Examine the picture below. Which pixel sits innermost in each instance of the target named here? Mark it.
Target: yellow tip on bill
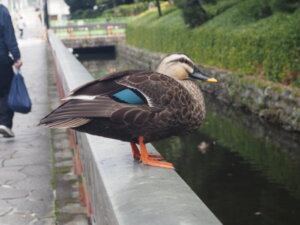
(212, 80)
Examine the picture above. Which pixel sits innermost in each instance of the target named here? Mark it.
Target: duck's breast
(183, 112)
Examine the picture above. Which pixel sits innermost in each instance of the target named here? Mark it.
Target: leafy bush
(284, 5)
(268, 46)
(77, 14)
(88, 13)
(127, 10)
(119, 11)
(80, 4)
(254, 10)
(222, 6)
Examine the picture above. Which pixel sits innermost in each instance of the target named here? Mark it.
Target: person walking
(21, 26)
(8, 46)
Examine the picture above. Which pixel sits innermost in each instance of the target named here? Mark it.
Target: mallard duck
(137, 106)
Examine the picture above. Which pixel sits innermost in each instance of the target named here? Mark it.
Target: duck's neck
(193, 88)
(198, 100)
(195, 91)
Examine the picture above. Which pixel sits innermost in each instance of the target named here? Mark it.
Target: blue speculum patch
(129, 96)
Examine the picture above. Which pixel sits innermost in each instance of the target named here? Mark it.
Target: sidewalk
(26, 195)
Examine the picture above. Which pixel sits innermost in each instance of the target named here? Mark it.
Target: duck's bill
(201, 76)
(212, 80)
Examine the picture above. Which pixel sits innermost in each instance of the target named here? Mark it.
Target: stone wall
(272, 102)
(138, 58)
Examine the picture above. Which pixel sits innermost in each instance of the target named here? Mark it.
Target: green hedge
(249, 43)
(127, 10)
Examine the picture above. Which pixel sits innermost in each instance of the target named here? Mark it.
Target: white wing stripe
(80, 97)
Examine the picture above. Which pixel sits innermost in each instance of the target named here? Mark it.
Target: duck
(137, 106)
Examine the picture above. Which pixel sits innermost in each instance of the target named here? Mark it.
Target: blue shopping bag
(18, 97)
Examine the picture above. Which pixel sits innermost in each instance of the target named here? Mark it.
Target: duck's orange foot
(152, 162)
(153, 156)
(148, 158)
(136, 153)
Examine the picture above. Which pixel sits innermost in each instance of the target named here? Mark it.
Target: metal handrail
(90, 30)
(90, 26)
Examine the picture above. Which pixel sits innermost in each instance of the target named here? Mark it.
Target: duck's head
(181, 67)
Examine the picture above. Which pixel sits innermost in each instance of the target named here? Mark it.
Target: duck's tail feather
(65, 123)
(77, 112)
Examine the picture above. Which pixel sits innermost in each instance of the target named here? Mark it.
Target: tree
(80, 4)
(193, 13)
(158, 8)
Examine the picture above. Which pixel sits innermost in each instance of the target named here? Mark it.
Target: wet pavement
(26, 194)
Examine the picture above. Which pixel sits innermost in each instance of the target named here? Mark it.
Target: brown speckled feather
(103, 86)
(173, 107)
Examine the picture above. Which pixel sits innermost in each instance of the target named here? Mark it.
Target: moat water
(246, 171)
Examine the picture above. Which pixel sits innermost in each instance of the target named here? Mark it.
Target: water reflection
(237, 176)
(245, 171)
(100, 64)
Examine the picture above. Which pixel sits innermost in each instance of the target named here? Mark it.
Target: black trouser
(6, 75)
(21, 33)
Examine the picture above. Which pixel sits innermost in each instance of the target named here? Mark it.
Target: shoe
(6, 132)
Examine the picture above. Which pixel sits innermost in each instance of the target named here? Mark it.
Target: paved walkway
(26, 195)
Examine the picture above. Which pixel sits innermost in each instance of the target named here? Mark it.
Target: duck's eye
(182, 60)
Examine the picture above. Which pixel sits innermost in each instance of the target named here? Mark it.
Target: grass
(239, 38)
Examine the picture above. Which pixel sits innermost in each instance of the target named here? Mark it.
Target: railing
(89, 30)
(116, 189)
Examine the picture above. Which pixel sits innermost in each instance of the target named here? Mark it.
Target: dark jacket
(8, 42)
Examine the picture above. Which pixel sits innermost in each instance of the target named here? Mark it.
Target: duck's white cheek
(189, 69)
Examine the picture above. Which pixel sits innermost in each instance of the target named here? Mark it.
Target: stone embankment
(272, 102)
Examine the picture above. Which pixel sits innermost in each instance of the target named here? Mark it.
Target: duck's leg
(136, 153)
(147, 158)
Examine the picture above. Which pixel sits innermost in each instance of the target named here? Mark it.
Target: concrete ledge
(122, 190)
(99, 41)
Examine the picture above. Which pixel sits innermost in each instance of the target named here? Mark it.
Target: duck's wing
(158, 89)
(131, 98)
(154, 89)
(77, 112)
(105, 85)
(90, 101)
